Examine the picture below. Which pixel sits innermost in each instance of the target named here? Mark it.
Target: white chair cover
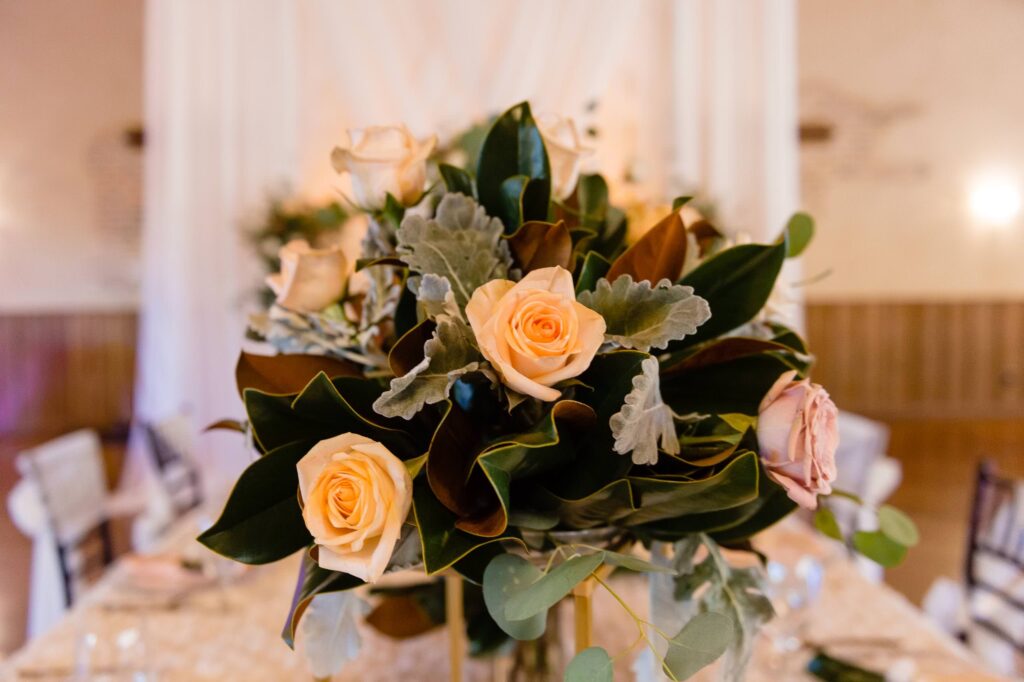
(862, 442)
(61, 495)
(1007, 532)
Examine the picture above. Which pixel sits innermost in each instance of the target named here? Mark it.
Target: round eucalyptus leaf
(590, 665)
(897, 526)
(699, 643)
(506, 576)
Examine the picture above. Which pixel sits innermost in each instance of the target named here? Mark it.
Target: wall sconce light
(995, 199)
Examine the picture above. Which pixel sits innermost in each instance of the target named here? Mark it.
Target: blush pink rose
(798, 437)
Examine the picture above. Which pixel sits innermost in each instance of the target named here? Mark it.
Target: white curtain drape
(247, 96)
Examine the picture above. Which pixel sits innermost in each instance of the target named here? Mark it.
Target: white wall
(70, 189)
(922, 95)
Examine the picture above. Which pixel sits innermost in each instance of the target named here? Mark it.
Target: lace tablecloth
(230, 631)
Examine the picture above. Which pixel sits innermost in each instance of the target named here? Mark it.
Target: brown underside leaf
(457, 484)
(724, 350)
(408, 350)
(400, 617)
(226, 425)
(282, 374)
(706, 234)
(658, 255)
(538, 245)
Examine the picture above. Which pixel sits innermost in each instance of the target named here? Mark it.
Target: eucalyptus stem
(641, 625)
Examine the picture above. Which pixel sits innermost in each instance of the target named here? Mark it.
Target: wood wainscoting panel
(948, 378)
(59, 372)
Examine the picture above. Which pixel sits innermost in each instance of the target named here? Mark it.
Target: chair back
(171, 443)
(995, 570)
(68, 474)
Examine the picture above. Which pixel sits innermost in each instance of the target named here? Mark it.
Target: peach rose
(383, 160)
(310, 279)
(565, 152)
(798, 437)
(355, 497)
(534, 332)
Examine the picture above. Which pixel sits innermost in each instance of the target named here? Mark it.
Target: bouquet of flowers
(501, 388)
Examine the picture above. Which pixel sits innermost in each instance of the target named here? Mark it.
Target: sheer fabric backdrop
(246, 97)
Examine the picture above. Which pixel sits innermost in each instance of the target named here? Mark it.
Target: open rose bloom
(355, 496)
(798, 435)
(534, 332)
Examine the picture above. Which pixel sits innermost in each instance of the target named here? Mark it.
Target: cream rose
(383, 160)
(534, 332)
(565, 152)
(310, 279)
(355, 497)
(798, 436)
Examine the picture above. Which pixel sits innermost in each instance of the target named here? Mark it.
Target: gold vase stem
(456, 621)
(583, 598)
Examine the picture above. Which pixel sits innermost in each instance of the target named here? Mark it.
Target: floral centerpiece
(501, 388)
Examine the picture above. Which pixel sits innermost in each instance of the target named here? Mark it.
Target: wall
(920, 96)
(70, 186)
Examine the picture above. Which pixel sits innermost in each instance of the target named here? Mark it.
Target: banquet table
(231, 630)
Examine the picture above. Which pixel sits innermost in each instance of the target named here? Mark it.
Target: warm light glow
(995, 200)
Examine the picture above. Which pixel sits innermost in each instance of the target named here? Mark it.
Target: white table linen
(232, 633)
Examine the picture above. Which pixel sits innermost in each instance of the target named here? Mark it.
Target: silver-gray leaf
(461, 243)
(642, 316)
(644, 420)
(448, 354)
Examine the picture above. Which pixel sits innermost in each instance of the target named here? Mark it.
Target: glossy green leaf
(736, 284)
(701, 641)
(876, 546)
(590, 665)
(897, 526)
(595, 266)
(540, 595)
(456, 179)
(735, 386)
(524, 200)
(261, 521)
(513, 146)
(443, 544)
(772, 505)
(659, 498)
(506, 577)
(825, 522)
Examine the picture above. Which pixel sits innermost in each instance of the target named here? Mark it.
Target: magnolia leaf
(456, 179)
(328, 632)
(513, 146)
(538, 245)
(701, 641)
(897, 526)
(658, 255)
(644, 419)
(461, 244)
(506, 576)
(590, 665)
(400, 617)
(435, 297)
(543, 593)
(287, 373)
(449, 354)
(640, 316)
